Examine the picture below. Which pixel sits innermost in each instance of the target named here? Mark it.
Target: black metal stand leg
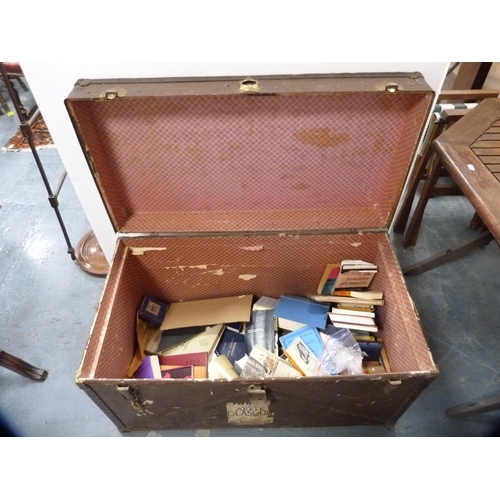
(28, 134)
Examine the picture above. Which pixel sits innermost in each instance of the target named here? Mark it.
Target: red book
(193, 359)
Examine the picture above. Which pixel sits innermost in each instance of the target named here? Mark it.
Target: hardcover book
(351, 318)
(150, 368)
(346, 301)
(371, 350)
(356, 307)
(181, 372)
(232, 345)
(203, 342)
(153, 310)
(359, 265)
(194, 359)
(302, 310)
(199, 372)
(289, 325)
(365, 294)
(356, 326)
(172, 338)
(351, 312)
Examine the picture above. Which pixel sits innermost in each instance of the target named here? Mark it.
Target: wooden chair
(20, 367)
(14, 72)
(5, 106)
(429, 168)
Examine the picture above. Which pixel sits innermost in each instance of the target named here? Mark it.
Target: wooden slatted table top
(487, 149)
(470, 150)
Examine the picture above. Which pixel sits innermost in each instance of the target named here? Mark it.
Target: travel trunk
(229, 186)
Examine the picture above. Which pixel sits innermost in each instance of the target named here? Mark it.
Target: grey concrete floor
(47, 305)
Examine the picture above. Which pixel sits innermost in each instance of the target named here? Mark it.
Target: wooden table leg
(440, 258)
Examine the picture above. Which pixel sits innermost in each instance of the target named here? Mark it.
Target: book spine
(356, 327)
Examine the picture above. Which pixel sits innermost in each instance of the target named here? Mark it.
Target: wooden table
(470, 151)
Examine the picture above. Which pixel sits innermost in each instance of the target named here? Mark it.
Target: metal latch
(258, 396)
(249, 86)
(389, 87)
(113, 93)
(132, 394)
(392, 385)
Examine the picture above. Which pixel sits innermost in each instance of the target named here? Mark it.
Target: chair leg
(404, 212)
(411, 234)
(481, 406)
(3, 103)
(21, 83)
(20, 367)
(418, 175)
(436, 260)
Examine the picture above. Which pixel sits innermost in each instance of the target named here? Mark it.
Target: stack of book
(226, 338)
(345, 286)
(209, 338)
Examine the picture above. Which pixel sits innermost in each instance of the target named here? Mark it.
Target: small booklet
(262, 363)
(304, 359)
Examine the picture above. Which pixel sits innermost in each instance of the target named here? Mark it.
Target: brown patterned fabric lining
(193, 268)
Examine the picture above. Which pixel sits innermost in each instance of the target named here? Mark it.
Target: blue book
(302, 310)
(309, 335)
(372, 350)
(153, 310)
(232, 344)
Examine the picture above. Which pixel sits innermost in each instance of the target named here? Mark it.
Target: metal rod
(60, 183)
(28, 134)
(34, 117)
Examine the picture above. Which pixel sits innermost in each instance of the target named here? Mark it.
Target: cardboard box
(250, 186)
